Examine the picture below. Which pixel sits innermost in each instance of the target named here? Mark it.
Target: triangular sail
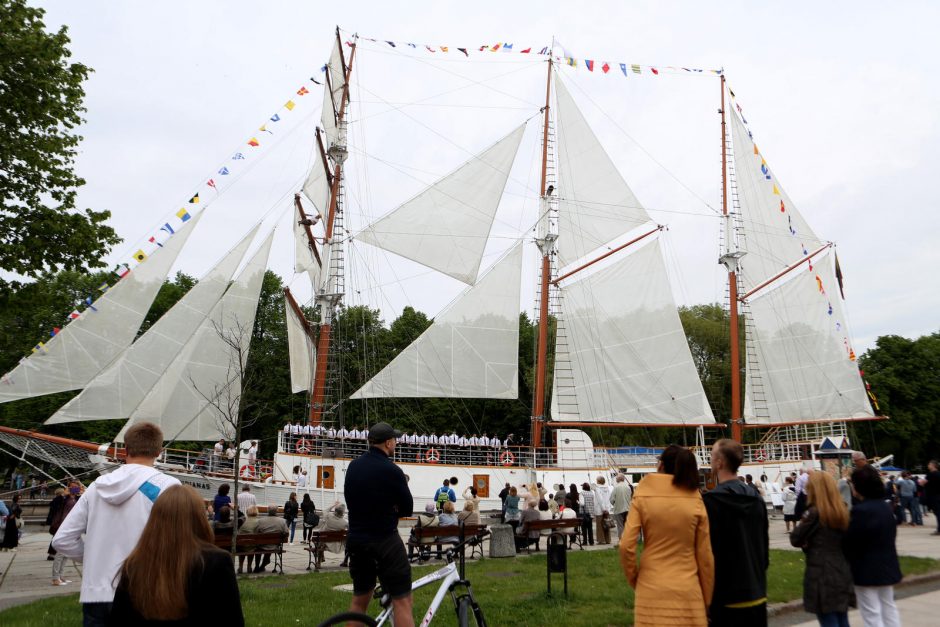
(209, 364)
(82, 348)
(333, 95)
(775, 233)
(117, 391)
(595, 204)
(301, 350)
(446, 226)
(469, 351)
(803, 367)
(629, 359)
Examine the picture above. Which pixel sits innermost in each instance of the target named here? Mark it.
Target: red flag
(783, 207)
(589, 64)
(302, 91)
(526, 51)
(654, 70)
(211, 183)
(605, 67)
(253, 142)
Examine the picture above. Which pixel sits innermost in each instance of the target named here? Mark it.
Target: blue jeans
(833, 619)
(95, 614)
(917, 514)
(292, 525)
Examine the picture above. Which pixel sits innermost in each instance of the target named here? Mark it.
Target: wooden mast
(545, 247)
(327, 302)
(730, 260)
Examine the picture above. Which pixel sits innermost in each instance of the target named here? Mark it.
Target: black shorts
(385, 559)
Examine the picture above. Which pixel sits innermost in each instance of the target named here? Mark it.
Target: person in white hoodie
(111, 515)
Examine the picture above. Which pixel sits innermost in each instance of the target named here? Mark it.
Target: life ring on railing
(432, 456)
(303, 446)
(246, 471)
(760, 455)
(506, 458)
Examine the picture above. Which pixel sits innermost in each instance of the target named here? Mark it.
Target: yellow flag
(776, 191)
(756, 152)
(289, 105)
(140, 255)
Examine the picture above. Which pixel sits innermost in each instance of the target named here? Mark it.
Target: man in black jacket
(737, 517)
(377, 495)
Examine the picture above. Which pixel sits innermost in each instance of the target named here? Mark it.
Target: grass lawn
(511, 591)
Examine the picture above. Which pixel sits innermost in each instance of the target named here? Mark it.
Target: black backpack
(311, 518)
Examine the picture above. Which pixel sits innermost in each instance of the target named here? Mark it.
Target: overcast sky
(842, 97)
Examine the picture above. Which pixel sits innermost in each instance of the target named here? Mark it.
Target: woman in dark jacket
(310, 518)
(291, 507)
(196, 587)
(827, 581)
(870, 548)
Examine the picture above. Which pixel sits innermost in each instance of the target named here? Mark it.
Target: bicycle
(451, 579)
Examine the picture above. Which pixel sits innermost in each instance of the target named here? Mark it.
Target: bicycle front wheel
(349, 617)
(469, 613)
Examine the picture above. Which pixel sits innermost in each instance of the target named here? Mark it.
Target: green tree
(41, 98)
(904, 375)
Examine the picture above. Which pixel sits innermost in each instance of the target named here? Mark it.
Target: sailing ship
(621, 357)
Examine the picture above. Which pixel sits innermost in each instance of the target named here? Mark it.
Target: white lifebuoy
(303, 446)
(506, 458)
(432, 456)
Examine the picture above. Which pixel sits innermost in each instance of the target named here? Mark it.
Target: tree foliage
(904, 374)
(41, 98)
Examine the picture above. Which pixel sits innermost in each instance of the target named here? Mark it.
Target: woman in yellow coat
(675, 578)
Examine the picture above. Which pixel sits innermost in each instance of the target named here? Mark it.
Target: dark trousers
(95, 614)
(833, 619)
(738, 617)
(587, 529)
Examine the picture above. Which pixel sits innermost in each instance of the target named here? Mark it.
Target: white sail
(802, 366)
(87, 344)
(630, 361)
(302, 351)
(471, 350)
(775, 233)
(595, 204)
(317, 186)
(117, 391)
(446, 226)
(209, 364)
(304, 259)
(333, 98)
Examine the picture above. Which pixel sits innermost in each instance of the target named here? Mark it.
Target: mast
(545, 243)
(729, 259)
(331, 297)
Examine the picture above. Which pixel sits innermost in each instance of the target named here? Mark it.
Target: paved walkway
(914, 541)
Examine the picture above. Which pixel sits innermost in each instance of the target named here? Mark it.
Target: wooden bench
(251, 543)
(556, 525)
(318, 542)
(435, 532)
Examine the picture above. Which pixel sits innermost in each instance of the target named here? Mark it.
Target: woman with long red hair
(175, 576)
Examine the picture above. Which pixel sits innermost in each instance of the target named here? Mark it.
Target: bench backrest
(447, 530)
(225, 541)
(336, 535)
(560, 523)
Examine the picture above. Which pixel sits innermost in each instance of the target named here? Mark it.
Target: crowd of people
(423, 447)
(704, 560)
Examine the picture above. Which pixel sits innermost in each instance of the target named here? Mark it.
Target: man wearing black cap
(377, 496)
